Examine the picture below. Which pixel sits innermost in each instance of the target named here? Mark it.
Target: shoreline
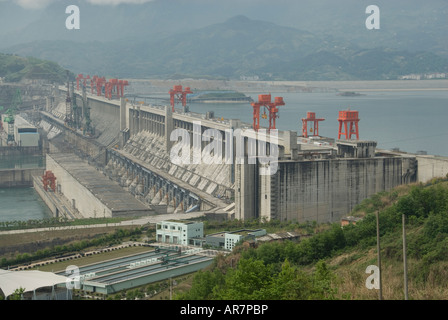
(158, 85)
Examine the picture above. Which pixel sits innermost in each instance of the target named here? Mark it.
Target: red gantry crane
(177, 94)
(121, 85)
(49, 180)
(345, 118)
(264, 100)
(311, 116)
(78, 78)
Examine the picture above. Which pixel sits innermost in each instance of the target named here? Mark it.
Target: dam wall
(430, 167)
(19, 177)
(327, 190)
(322, 184)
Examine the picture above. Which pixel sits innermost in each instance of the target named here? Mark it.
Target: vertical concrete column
(291, 146)
(152, 128)
(84, 100)
(122, 114)
(48, 104)
(246, 188)
(168, 127)
(132, 121)
(138, 119)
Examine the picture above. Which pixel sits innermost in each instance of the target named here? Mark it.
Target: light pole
(405, 258)
(379, 255)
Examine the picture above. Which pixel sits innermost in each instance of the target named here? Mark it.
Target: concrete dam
(132, 146)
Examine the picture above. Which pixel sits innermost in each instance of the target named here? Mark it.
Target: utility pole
(378, 252)
(405, 259)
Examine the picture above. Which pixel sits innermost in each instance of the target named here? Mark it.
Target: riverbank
(161, 86)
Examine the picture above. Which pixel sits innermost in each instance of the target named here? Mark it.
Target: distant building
(25, 134)
(280, 236)
(180, 232)
(411, 77)
(228, 240)
(37, 285)
(249, 78)
(349, 220)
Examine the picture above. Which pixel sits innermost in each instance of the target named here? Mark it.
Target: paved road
(137, 222)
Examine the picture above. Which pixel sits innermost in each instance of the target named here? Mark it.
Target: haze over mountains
(285, 39)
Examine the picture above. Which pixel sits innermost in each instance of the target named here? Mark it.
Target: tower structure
(264, 100)
(348, 124)
(311, 117)
(177, 94)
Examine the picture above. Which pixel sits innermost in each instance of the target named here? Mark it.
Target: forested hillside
(332, 264)
(15, 68)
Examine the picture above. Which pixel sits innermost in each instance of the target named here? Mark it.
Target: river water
(21, 204)
(409, 120)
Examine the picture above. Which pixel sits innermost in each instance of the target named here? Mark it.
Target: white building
(25, 134)
(180, 232)
(228, 240)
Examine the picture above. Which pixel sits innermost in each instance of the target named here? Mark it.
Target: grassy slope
(426, 279)
(349, 251)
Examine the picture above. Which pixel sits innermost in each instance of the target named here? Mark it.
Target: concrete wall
(19, 151)
(430, 167)
(46, 197)
(86, 203)
(19, 177)
(27, 139)
(327, 190)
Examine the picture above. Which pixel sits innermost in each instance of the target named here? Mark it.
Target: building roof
(29, 280)
(109, 192)
(179, 221)
(22, 123)
(279, 236)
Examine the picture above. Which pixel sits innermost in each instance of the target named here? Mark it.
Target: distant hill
(14, 68)
(234, 48)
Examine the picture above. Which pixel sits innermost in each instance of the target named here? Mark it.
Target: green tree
(247, 282)
(17, 294)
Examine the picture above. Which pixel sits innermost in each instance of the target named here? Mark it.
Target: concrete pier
(91, 193)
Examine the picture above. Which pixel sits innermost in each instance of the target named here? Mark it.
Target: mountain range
(182, 38)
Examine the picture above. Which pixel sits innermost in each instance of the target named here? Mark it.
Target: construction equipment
(264, 100)
(311, 116)
(87, 127)
(76, 112)
(68, 104)
(348, 117)
(10, 121)
(177, 94)
(15, 104)
(49, 180)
